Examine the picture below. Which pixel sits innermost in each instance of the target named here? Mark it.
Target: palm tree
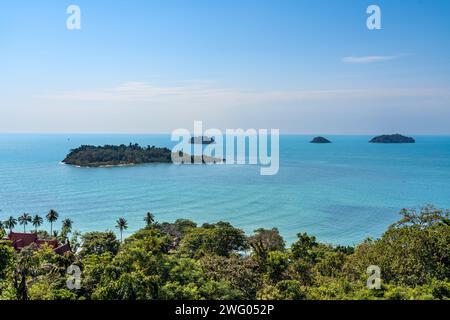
(66, 229)
(23, 220)
(149, 219)
(37, 222)
(52, 216)
(10, 223)
(121, 224)
(67, 225)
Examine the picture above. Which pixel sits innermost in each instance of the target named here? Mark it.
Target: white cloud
(210, 95)
(368, 59)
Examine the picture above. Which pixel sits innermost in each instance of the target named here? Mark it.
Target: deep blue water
(341, 192)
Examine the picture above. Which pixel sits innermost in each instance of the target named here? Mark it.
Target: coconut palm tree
(23, 220)
(149, 219)
(10, 223)
(37, 222)
(66, 229)
(121, 224)
(52, 216)
(67, 225)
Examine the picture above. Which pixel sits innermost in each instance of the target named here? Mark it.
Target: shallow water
(341, 192)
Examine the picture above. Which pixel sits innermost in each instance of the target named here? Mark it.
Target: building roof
(22, 240)
(62, 249)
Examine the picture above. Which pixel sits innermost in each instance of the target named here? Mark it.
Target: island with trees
(126, 155)
(202, 140)
(392, 138)
(320, 140)
(182, 260)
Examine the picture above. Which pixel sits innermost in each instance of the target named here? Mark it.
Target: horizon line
(169, 133)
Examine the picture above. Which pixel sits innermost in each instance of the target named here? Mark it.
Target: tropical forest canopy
(183, 260)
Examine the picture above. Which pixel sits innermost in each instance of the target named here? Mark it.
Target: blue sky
(302, 66)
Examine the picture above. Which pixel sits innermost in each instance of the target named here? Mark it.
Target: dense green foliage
(392, 138)
(110, 155)
(182, 260)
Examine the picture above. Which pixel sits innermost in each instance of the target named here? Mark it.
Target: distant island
(123, 155)
(392, 138)
(202, 140)
(320, 140)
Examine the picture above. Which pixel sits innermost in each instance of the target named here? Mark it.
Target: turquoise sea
(341, 192)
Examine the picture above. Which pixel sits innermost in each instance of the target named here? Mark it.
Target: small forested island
(124, 155)
(320, 140)
(392, 138)
(202, 140)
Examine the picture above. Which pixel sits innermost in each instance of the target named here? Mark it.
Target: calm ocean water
(341, 192)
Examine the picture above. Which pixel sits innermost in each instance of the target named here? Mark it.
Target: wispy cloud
(368, 59)
(208, 94)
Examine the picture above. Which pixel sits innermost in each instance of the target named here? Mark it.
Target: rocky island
(133, 154)
(320, 140)
(202, 140)
(392, 138)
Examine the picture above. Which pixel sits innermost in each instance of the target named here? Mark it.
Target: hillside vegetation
(182, 260)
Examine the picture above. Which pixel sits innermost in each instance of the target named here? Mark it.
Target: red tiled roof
(62, 249)
(22, 240)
